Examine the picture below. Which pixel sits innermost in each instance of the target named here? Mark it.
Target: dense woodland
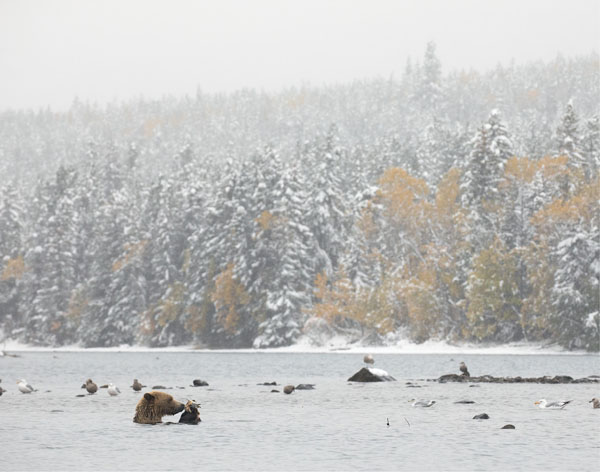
(461, 206)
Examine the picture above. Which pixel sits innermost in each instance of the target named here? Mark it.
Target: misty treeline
(460, 207)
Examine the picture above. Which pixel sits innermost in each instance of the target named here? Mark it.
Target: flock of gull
(89, 385)
(113, 390)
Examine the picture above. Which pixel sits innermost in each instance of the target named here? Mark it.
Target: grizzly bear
(191, 414)
(154, 405)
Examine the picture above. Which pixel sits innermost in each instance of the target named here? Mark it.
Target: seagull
(594, 401)
(368, 359)
(24, 387)
(137, 386)
(90, 386)
(421, 403)
(112, 390)
(552, 406)
(464, 370)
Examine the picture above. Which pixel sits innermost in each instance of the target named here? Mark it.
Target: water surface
(337, 426)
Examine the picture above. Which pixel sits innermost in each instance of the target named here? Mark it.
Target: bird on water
(90, 386)
(595, 403)
(137, 386)
(24, 387)
(422, 403)
(113, 391)
(553, 405)
(368, 360)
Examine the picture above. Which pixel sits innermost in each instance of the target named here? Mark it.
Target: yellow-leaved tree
(229, 298)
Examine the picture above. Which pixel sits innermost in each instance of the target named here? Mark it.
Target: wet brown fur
(154, 405)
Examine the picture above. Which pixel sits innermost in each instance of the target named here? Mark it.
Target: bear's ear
(149, 397)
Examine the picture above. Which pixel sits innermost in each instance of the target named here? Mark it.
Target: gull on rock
(368, 360)
(553, 405)
(422, 403)
(112, 390)
(464, 370)
(24, 387)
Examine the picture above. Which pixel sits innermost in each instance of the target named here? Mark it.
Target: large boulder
(371, 375)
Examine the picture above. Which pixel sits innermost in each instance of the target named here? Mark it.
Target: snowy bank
(335, 346)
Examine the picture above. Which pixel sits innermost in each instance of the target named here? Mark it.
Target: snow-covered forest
(460, 206)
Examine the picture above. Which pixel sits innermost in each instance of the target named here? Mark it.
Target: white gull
(553, 405)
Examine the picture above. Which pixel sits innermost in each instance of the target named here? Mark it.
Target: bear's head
(154, 405)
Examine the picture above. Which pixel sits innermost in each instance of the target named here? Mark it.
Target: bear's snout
(180, 407)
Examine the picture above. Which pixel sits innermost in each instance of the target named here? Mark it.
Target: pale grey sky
(100, 50)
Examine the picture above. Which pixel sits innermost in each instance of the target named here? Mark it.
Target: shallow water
(337, 426)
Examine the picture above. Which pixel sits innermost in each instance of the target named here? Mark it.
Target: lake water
(337, 426)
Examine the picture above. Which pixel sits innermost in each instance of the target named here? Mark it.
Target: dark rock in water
(158, 386)
(181, 388)
(305, 387)
(562, 379)
(474, 385)
(557, 379)
(371, 375)
(57, 411)
(413, 386)
(274, 391)
(288, 389)
(593, 376)
(80, 395)
(268, 383)
(101, 386)
(482, 416)
(452, 378)
(464, 402)
(508, 426)
(200, 383)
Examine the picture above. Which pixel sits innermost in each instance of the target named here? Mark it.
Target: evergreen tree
(575, 320)
(12, 265)
(287, 269)
(591, 147)
(567, 136)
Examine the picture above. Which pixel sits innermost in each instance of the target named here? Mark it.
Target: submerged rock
(371, 375)
(482, 416)
(508, 426)
(305, 387)
(200, 383)
(464, 402)
(268, 383)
